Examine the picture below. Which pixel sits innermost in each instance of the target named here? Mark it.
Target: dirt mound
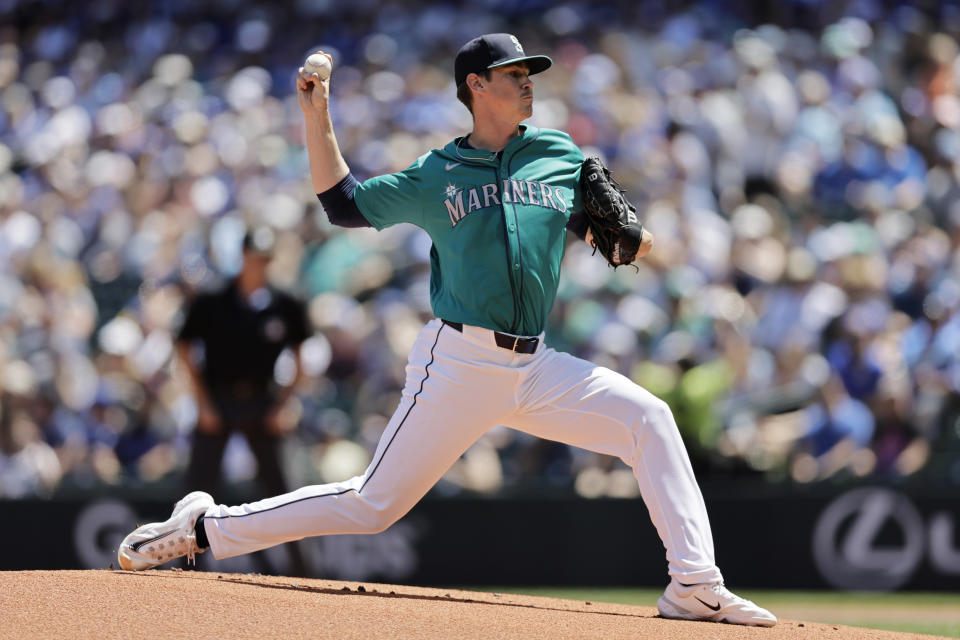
(190, 604)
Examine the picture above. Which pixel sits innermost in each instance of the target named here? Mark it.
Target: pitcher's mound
(187, 604)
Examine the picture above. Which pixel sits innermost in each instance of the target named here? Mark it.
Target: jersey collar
(468, 155)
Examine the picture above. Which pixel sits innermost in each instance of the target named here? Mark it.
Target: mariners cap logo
(517, 44)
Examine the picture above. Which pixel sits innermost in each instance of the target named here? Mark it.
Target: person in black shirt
(242, 330)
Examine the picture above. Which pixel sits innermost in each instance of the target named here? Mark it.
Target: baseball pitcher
(497, 205)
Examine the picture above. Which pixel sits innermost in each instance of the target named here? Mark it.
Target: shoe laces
(191, 543)
(721, 590)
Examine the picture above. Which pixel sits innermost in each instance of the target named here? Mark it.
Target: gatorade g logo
(98, 530)
(516, 43)
(875, 538)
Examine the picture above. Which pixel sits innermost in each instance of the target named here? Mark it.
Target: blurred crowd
(799, 171)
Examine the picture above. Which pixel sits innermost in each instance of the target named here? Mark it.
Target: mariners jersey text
(462, 202)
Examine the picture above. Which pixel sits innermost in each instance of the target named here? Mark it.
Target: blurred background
(798, 164)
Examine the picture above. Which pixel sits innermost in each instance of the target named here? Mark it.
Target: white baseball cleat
(153, 544)
(712, 602)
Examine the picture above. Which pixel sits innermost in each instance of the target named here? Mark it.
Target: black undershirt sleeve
(578, 224)
(340, 206)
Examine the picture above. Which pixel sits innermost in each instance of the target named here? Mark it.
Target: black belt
(514, 343)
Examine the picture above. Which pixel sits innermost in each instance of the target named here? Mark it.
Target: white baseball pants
(458, 386)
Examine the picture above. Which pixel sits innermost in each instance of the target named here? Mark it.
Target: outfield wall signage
(877, 538)
(862, 538)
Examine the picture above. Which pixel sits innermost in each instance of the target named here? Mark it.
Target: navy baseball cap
(494, 50)
(261, 240)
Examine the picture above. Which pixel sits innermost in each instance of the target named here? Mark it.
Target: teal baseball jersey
(497, 222)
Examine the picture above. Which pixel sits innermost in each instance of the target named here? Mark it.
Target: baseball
(319, 64)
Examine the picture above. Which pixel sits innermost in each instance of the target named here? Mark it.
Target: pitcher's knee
(656, 420)
(377, 520)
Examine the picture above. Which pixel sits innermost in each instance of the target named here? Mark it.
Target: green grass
(926, 613)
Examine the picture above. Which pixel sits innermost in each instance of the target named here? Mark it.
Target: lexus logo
(875, 538)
